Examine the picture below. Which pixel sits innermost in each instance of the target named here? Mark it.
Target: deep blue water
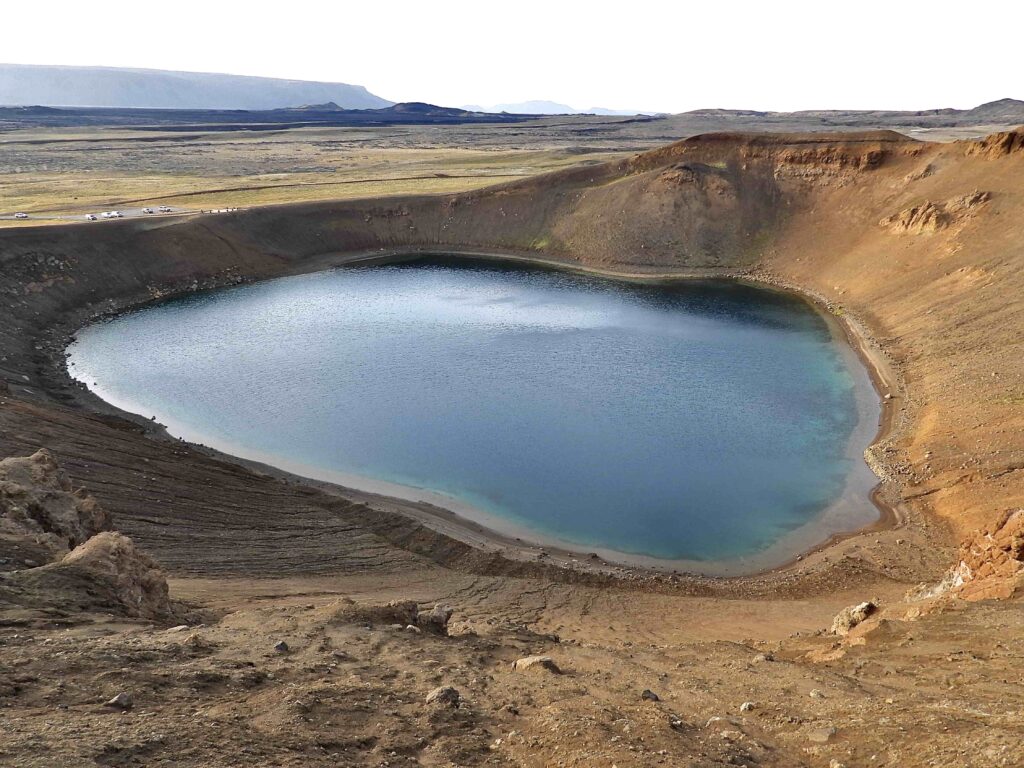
(699, 420)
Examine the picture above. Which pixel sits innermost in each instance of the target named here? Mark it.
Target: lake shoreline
(449, 517)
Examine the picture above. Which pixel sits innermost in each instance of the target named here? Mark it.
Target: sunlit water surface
(698, 421)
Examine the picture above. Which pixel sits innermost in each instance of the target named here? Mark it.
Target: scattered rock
(536, 662)
(122, 701)
(445, 696)
(850, 617)
(761, 658)
(281, 647)
(414, 629)
(649, 695)
(816, 694)
(747, 706)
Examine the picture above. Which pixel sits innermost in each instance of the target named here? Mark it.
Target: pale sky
(647, 55)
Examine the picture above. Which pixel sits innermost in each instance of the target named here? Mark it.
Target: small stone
(536, 662)
(281, 647)
(762, 658)
(122, 701)
(821, 735)
(816, 694)
(649, 695)
(747, 706)
(445, 696)
(413, 628)
(180, 628)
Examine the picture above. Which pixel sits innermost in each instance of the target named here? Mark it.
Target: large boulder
(41, 516)
(436, 619)
(107, 573)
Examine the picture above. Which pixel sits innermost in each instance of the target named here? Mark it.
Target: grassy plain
(54, 174)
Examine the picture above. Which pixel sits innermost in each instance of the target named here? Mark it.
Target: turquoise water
(695, 421)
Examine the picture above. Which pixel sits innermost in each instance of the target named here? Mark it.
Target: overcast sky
(647, 55)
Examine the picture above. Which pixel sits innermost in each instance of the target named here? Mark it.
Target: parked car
(147, 210)
(165, 209)
(90, 217)
(117, 214)
(21, 215)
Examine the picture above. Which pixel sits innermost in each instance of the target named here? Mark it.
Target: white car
(147, 210)
(90, 217)
(116, 215)
(21, 215)
(106, 215)
(165, 209)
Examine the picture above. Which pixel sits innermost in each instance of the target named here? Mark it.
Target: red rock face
(992, 564)
(998, 144)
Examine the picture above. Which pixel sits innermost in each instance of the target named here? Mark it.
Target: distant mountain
(1002, 111)
(60, 86)
(426, 110)
(550, 108)
(534, 108)
(402, 109)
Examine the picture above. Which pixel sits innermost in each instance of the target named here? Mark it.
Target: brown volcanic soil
(889, 233)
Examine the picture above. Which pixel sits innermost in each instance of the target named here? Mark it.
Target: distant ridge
(1001, 111)
(540, 107)
(62, 86)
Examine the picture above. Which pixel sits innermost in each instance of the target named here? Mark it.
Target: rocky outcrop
(998, 144)
(850, 617)
(435, 620)
(992, 564)
(58, 555)
(41, 517)
(405, 613)
(402, 612)
(929, 217)
(107, 573)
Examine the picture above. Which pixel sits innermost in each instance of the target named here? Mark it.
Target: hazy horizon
(789, 56)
